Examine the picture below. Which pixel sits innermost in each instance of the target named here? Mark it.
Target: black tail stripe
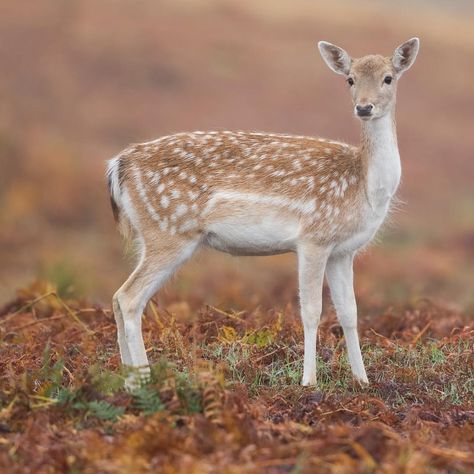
(115, 208)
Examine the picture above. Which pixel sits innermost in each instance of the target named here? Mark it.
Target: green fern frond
(147, 400)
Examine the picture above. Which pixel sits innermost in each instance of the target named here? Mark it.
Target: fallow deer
(248, 193)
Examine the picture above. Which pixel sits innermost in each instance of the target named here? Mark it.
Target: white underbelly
(252, 235)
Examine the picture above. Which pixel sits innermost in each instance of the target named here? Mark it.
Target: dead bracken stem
(383, 337)
(73, 314)
(227, 314)
(420, 334)
(32, 303)
(26, 306)
(38, 321)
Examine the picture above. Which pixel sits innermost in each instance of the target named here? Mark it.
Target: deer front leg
(311, 263)
(339, 273)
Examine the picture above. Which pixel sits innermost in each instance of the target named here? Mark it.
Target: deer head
(372, 79)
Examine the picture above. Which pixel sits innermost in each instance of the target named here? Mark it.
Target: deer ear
(405, 55)
(336, 58)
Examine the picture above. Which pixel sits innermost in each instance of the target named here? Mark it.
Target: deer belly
(252, 235)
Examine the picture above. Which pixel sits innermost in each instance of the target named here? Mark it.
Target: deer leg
(155, 267)
(339, 273)
(123, 346)
(311, 263)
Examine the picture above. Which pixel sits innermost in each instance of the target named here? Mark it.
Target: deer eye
(388, 79)
(350, 81)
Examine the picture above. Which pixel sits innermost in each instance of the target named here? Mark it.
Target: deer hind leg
(340, 278)
(157, 263)
(124, 352)
(311, 264)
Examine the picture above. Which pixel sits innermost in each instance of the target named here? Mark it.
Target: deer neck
(380, 155)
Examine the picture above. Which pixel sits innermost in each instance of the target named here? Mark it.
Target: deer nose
(364, 110)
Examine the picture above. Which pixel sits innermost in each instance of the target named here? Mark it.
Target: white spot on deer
(188, 225)
(165, 201)
(278, 173)
(193, 195)
(163, 224)
(153, 176)
(181, 210)
(175, 193)
(297, 165)
(343, 185)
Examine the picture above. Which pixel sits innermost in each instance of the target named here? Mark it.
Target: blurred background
(81, 79)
